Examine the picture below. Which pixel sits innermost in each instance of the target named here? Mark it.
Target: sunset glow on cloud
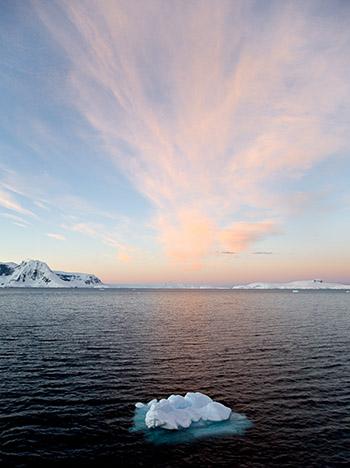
(218, 119)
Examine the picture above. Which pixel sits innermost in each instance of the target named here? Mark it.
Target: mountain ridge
(37, 274)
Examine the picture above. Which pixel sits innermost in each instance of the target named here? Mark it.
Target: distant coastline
(37, 274)
(292, 285)
(315, 284)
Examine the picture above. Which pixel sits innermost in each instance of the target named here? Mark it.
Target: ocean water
(74, 362)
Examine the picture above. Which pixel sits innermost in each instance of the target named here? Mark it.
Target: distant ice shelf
(295, 285)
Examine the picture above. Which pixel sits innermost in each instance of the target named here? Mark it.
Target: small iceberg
(180, 418)
(178, 412)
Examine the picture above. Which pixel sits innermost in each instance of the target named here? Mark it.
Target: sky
(185, 141)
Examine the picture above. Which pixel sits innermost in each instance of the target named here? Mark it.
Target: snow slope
(307, 284)
(6, 269)
(37, 274)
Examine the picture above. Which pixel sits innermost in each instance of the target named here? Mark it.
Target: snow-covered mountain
(307, 284)
(36, 274)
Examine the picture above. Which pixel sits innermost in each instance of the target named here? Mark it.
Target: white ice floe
(178, 412)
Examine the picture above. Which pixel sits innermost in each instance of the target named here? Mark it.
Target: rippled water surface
(74, 362)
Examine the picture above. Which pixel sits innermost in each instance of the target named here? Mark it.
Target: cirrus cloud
(7, 200)
(56, 236)
(208, 106)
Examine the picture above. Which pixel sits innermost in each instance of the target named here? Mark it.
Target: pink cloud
(186, 238)
(239, 236)
(8, 201)
(205, 107)
(56, 236)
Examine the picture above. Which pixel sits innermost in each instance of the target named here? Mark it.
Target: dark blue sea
(74, 362)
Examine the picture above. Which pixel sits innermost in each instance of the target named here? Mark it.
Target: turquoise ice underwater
(217, 420)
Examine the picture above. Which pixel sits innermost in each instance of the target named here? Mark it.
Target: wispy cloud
(41, 205)
(262, 253)
(125, 251)
(207, 106)
(56, 236)
(15, 218)
(51, 197)
(239, 236)
(8, 201)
